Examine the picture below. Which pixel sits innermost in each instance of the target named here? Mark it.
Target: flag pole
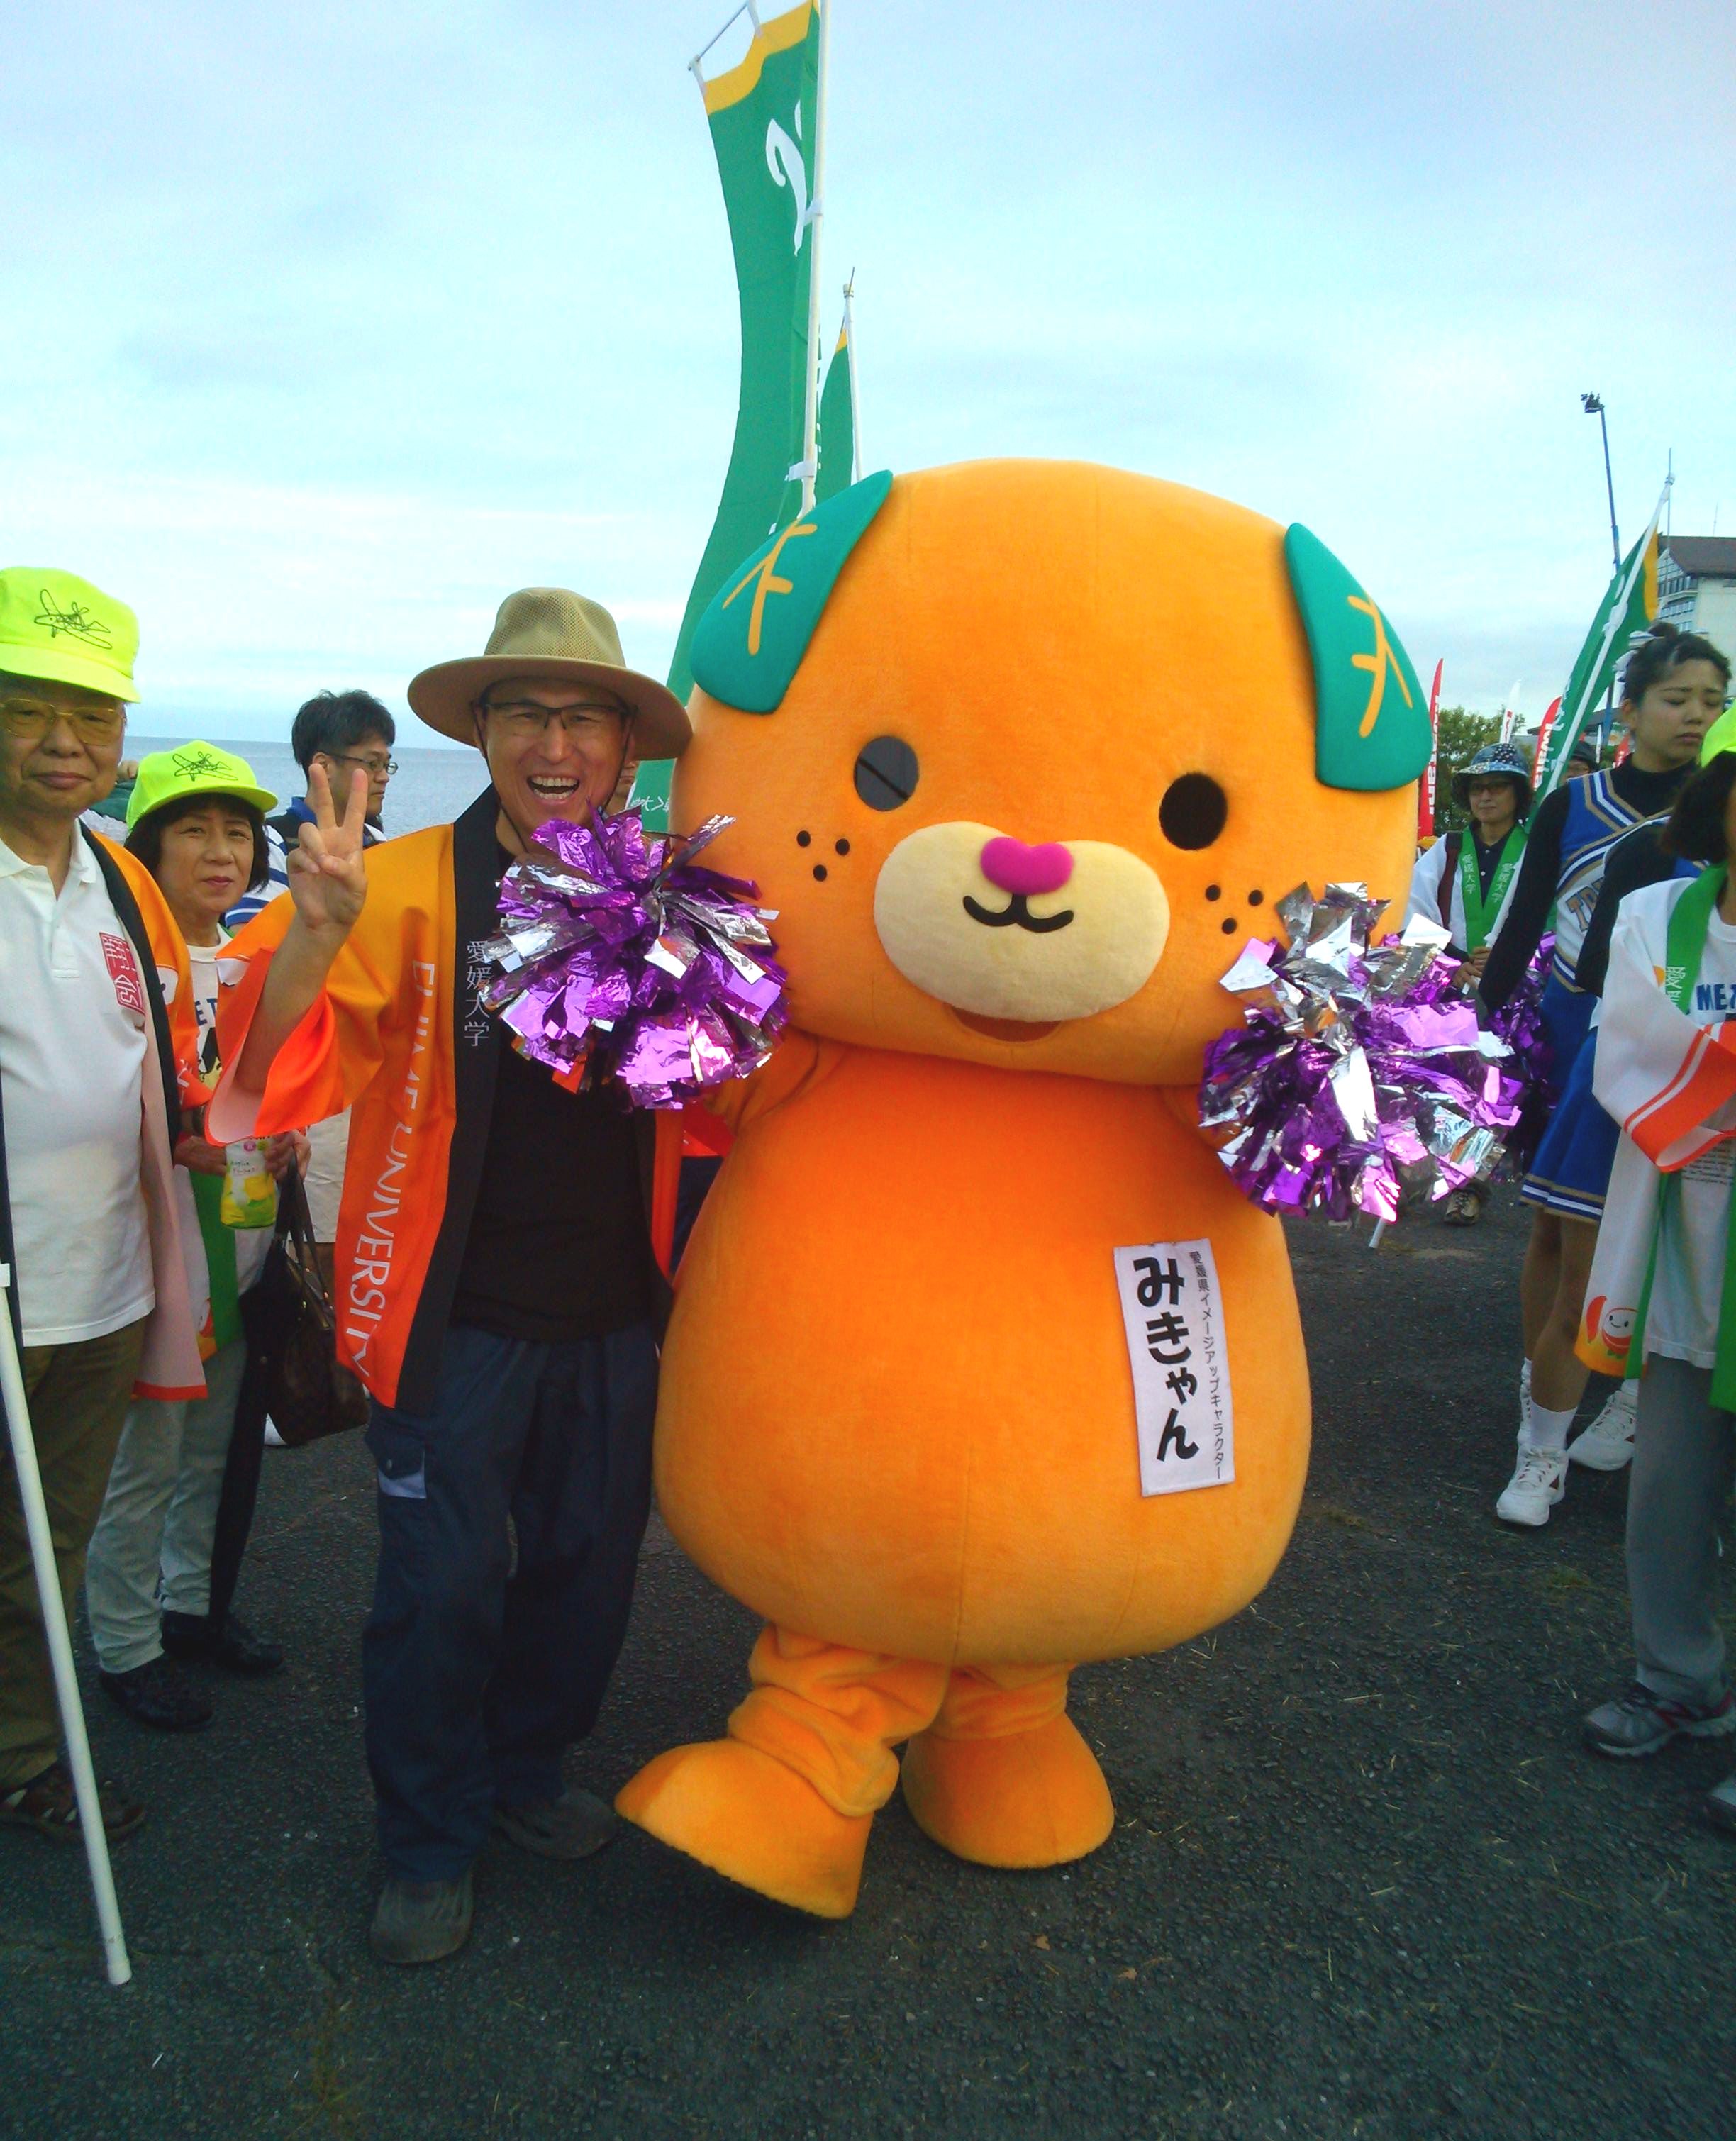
(59, 1642)
(747, 9)
(850, 350)
(816, 219)
(1575, 716)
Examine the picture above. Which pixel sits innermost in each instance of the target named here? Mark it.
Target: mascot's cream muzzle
(1015, 938)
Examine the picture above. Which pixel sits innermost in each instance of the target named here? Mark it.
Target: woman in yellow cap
(196, 820)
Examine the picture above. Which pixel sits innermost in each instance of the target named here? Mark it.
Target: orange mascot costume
(981, 1367)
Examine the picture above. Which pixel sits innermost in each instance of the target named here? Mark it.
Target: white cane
(59, 1642)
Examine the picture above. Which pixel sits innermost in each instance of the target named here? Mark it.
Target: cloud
(341, 322)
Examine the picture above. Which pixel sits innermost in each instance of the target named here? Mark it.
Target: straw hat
(552, 632)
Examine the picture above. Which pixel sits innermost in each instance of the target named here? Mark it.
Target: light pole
(1592, 404)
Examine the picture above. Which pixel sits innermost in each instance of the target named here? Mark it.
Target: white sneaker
(1608, 1443)
(1538, 1484)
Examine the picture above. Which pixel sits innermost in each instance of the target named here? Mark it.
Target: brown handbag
(309, 1393)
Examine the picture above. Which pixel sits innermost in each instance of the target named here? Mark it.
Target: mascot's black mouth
(1017, 914)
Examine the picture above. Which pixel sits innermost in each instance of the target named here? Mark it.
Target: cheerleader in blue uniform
(1673, 687)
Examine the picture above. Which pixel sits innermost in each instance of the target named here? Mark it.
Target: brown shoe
(50, 1806)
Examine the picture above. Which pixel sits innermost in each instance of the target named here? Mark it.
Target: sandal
(50, 1806)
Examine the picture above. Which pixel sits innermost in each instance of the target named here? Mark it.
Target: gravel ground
(1364, 1880)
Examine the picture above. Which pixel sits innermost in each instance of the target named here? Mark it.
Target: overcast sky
(327, 326)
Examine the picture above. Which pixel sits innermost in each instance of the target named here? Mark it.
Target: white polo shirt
(72, 1016)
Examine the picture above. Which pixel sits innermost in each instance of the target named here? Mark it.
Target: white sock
(1524, 1388)
(1545, 1429)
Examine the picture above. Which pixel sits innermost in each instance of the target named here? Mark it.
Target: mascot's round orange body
(1044, 756)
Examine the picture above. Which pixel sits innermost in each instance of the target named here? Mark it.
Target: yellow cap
(60, 629)
(1720, 736)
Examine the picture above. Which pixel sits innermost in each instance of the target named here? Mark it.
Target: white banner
(1173, 1314)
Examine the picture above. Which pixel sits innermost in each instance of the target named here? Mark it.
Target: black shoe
(233, 1645)
(156, 1695)
(421, 1921)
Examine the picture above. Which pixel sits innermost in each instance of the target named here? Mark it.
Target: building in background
(1697, 586)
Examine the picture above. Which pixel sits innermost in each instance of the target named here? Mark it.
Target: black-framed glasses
(382, 769)
(526, 718)
(36, 718)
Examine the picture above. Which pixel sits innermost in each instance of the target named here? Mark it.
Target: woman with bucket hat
(499, 1290)
(1465, 882)
(196, 820)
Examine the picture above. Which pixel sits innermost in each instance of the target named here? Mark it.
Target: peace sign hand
(327, 876)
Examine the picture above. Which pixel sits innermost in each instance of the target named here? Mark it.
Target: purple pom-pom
(621, 957)
(1359, 1078)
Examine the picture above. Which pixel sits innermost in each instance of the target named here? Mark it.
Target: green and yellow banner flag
(1629, 606)
(762, 113)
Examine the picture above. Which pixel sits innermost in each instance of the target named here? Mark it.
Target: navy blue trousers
(477, 1680)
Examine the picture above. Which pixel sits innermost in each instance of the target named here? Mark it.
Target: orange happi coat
(399, 1036)
(170, 1366)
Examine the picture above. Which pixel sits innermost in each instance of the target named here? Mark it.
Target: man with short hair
(97, 1051)
(502, 1252)
(341, 731)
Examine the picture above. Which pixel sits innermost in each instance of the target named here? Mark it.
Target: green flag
(762, 115)
(837, 456)
(1629, 605)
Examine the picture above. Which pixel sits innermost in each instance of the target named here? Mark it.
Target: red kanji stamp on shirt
(124, 973)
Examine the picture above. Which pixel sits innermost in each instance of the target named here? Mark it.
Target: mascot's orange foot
(1032, 1798)
(746, 1816)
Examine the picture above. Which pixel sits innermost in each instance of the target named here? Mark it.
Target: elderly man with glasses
(501, 1260)
(97, 1051)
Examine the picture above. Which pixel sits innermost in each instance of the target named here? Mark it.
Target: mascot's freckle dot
(1049, 711)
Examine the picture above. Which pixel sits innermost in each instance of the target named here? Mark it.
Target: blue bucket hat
(1504, 761)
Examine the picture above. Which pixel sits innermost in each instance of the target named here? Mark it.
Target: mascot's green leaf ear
(750, 642)
(1370, 720)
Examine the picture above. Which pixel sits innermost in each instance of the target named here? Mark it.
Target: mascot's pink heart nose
(1016, 868)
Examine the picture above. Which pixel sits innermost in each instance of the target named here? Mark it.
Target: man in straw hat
(497, 1289)
(97, 1054)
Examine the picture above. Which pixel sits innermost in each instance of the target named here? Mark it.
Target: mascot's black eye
(886, 772)
(1193, 811)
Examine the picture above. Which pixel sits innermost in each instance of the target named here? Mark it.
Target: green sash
(1480, 913)
(1684, 947)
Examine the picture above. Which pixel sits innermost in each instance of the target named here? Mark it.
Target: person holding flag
(1673, 689)
(98, 1058)
(1661, 1305)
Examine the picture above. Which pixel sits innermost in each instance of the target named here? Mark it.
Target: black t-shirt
(1488, 858)
(558, 1246)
